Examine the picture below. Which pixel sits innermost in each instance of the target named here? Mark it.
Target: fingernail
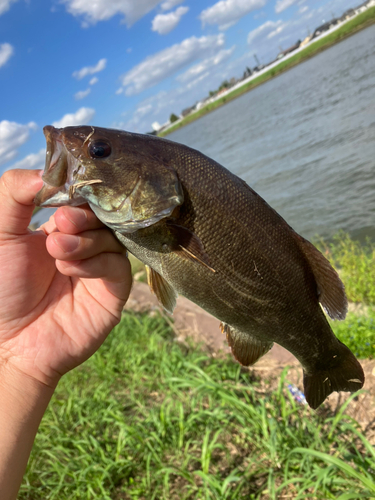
(76, 216)
(68, 243)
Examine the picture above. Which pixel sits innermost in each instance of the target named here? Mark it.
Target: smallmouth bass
(202, 232)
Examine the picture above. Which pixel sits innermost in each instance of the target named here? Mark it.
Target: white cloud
(6, 52)
(283, 4)
(144, 114)
(195, 86)
(165, 63)
(227, 12)
(165, 23)
(278, 29)
(169, 4)
(204, 65)
(90, 70)
(12, 136)
(263, 30)
(5, 5)
(34, 160)
(195, 82)
(143, 110)
(102, 10)
(93, 80)
(303, 9)
(82, 94)
(80, 117)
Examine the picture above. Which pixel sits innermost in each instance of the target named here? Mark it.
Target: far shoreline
(351, 27)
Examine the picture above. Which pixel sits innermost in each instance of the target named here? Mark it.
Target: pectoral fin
(246, 348)
(162, 289)
(331, 291)
(188, 245)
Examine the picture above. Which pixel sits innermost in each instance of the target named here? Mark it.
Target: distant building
(156, 126)
(347, 14)
(187, 111)
(364, 6)
(306, 41)
(290, 49)
(326, 26)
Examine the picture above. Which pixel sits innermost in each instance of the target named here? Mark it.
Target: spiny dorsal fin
(331, 290)
(245, 348)
(189, 245)
(164, 292)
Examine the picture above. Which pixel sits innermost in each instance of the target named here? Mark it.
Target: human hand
(57, 303)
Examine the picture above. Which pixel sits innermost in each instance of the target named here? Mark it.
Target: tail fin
(343, 373)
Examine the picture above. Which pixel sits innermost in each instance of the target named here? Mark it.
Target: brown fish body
(208, 236)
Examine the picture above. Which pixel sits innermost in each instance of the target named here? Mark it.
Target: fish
(204, 233)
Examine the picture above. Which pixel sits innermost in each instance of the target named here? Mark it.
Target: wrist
(21, 386)
(23, 403)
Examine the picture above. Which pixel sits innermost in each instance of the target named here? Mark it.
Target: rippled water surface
(305, 140)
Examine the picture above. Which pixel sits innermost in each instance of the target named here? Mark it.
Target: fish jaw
(58, 173)
(124, 195)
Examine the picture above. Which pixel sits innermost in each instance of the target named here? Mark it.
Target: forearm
(23, 402)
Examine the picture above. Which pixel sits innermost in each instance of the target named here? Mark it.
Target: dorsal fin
(162, 289)
(331, 290)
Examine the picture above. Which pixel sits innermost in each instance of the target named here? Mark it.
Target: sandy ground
(189, 320)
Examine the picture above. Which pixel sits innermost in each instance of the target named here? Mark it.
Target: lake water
(305, 141)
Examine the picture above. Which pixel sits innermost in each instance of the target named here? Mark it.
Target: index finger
(17, 192)
(73, 220)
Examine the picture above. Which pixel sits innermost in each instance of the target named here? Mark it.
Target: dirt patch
(190, 321)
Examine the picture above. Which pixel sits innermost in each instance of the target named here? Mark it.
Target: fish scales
(205, 234)
(254, 226)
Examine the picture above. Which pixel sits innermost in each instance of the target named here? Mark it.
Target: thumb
(17, 191)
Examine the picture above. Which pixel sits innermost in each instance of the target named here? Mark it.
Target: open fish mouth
(61, 174)
(71, 178)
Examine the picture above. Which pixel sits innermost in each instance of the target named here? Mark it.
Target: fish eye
(99, 149)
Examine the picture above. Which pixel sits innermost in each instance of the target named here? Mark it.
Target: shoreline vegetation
(151, 417)
(358, 23)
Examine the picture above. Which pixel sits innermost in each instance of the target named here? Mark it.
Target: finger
(113, 268)
(49, 226)
(83, 246)
(17, 191)
(73, 220)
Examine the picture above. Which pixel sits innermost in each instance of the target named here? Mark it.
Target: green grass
(148, 418)
(356, 264)
(359, 22)
(358, 333)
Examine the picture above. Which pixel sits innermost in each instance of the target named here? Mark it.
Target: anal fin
(162, 289)
(245, 348)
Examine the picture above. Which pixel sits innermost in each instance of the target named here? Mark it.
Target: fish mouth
(61, 169)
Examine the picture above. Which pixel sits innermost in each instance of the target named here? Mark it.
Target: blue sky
(128, 63)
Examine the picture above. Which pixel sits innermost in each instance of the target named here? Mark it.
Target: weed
(146, 418)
